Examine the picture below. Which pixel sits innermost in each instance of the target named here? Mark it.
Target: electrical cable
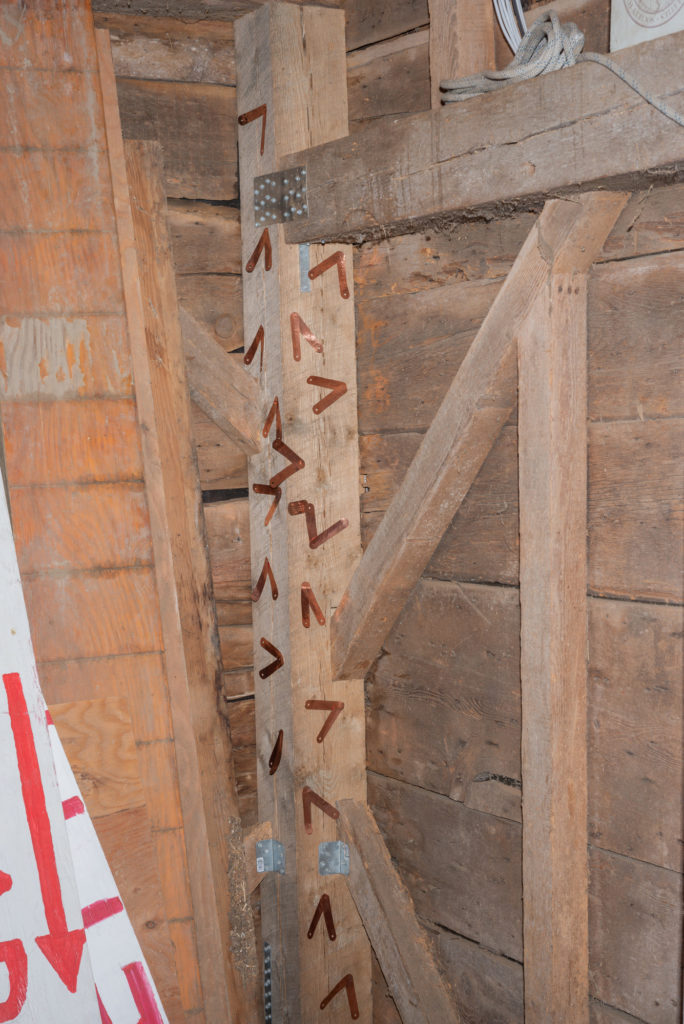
(546, 46)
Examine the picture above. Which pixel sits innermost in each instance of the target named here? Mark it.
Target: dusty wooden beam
(462, 433)
(220, 386)
(578, 128)
(386, 908)
(291, 70)
(552, 463)
(461, 41)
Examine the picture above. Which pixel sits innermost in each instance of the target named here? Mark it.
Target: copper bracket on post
(309, 601)
(337, 259)
(273, 413)
(266, 573)
(323, 910)
(337, 389)
(279, 661)
(310, 797)
(300, 330)
(276, 754)
(348, 983)
(333, 706)
(275, 492)
(296, 462)
(252, 350)
(263, 245)
(316, 540)
(252, 115)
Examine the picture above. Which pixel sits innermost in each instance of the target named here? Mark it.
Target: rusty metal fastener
(266, 573)
(252, 115)
(296, 462)
(348, 983)
(309, 601)
(323, 910)
(277, 495)
(337, 259)
(279, 661)
(316, 540)
(252, 350)
(333, 706)
(337, 389)
(263, 245)
(276, 754)
(300, 330)
(310, 797)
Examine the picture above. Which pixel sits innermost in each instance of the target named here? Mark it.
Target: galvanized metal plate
(333, 858)
(280, 196)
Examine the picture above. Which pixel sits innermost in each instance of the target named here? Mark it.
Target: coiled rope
(546, 46)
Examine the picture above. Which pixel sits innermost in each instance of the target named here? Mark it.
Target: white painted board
(636, 21)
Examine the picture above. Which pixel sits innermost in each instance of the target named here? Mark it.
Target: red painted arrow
(5, 882)
(62, 948)
(13, 955)
(142, 993)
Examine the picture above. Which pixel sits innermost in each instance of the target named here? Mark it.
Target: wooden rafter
(462, 433)
(220, 386)
(581, 127)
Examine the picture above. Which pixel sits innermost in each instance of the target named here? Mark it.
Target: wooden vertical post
(553, 499)
(462, 41)
(292, 94)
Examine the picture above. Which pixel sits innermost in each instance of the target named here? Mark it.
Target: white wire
(509, 14)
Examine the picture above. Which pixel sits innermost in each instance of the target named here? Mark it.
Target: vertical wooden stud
(553, 498)
(462, 35)
(291, 60)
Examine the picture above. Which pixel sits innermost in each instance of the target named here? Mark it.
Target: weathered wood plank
(52, 36)
(214, 299)
(444, 711)
(220, 385)
(199, 161)
(227, 960)
(388, 176)
(32, 179)
(552, 473)
(170, 49)
(369, 21)
(229, 549)
(221, 464)
(206, 239)
(387, 911)
(477, 405)
(388, 78)
(461, 42)
(292, 60)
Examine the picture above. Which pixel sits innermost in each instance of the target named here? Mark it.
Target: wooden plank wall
(444, 760)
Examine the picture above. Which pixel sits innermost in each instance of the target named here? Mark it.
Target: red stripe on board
(143, 994)
(48, 717)
(101, 910)
(72, 807)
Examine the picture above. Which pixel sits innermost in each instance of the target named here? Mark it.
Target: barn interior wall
(443, 700)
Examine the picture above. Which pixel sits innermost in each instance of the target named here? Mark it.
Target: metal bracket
(333, 858)
(280, 196)
(270, 856)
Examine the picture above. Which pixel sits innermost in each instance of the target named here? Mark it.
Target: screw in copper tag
(277, 663)
(335, 707)
(252, 350)
(275, 492)
(253, 115)
(337, 389)
(348, 983)
(309, 602)
(300, 330)
(336, 260)
(266, 573)
(310, 797)
(276, 754)
(323, 910)
(263, 245)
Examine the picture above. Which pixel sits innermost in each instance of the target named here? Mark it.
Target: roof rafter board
(475, 408)
(578, 128)
(292, 60)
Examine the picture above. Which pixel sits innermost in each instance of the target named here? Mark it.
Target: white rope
(546, 46)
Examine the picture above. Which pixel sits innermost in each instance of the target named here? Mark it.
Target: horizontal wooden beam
(567, 236)
(220, 386)
(386, 908)
(578, 128)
